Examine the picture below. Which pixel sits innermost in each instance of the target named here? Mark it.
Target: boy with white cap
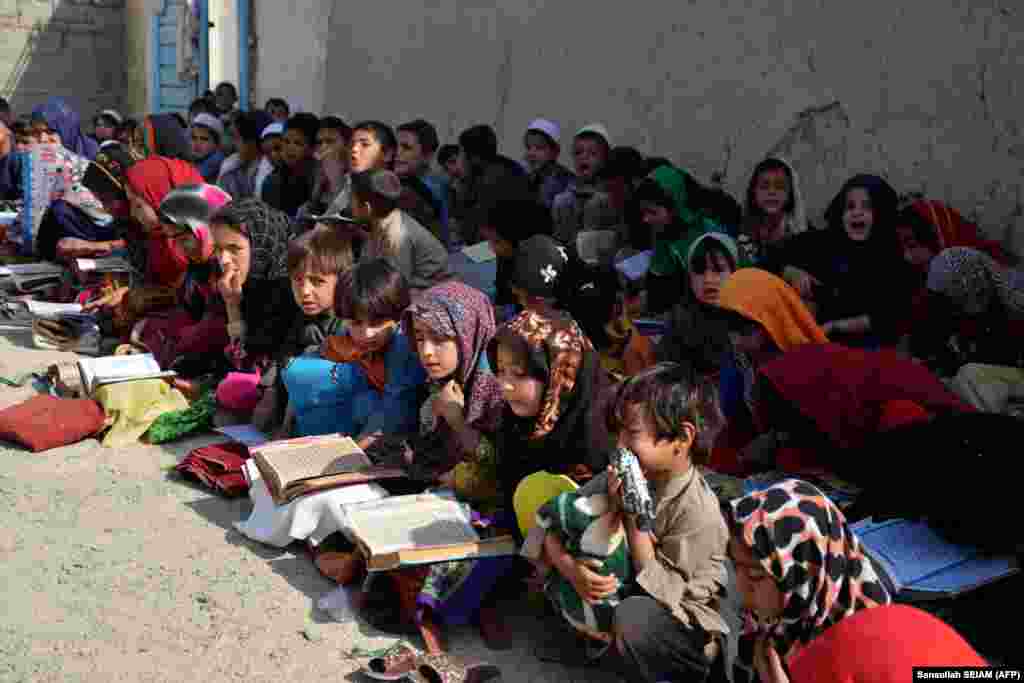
(206, 134)
(583, 206)
(548, 178)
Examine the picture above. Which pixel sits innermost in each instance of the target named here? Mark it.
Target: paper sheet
(49, 308)
(635, 267)
(480, 252)
(244, 434)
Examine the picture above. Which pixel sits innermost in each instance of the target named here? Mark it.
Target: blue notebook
(920, 561)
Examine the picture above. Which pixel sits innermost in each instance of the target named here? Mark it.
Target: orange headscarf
(766, 299)
(342, 348)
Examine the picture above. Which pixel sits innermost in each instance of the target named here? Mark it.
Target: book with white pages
(97, 372)
(405, 531)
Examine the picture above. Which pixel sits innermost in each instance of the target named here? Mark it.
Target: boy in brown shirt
(671, 627)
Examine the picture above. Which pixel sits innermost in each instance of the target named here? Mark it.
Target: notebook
(920, 563)
(97, 372)
(635, 267)
(404, 531)
(295, 467)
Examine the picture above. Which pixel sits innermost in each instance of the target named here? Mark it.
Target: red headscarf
(152, 179)
(898, 638)
(953, 230)
(851, 393)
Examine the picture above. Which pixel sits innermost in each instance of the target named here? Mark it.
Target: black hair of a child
(769, 164)
(5, 106)
(373, 291)
(923, 231)
(278, 102)
(308, 124)
(321, 250)
(127, 126)
(203, 105)
(479, 142)
(670, 395)
(362, 187)
(384, 134)
(336, 123)
(248, 123)
(516, 218)
(447, 153)
(624, 162)
(705, 251)
(229, 85)
(425, 132)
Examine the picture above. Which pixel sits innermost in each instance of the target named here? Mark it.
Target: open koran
(295, 467)
(96, 372)
(403, 531)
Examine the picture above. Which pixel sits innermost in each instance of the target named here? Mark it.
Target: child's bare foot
(432, 636)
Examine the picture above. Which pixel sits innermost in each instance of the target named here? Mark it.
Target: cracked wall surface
(73, 48)
(925, 92)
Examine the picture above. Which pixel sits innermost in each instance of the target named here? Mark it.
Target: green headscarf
(671, 255)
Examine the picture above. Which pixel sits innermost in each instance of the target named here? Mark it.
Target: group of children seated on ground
(308, 273)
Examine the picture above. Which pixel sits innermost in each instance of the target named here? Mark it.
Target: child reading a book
(452, 325)
(362, 379)
(800, 569)
(669, 627)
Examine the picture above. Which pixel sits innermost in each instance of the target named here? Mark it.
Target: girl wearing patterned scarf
(555, 390)
(452, 325)
(58, 116)
(799, 569)
(251, 249)
(976, 318)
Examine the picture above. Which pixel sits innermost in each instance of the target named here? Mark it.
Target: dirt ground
(115, 570)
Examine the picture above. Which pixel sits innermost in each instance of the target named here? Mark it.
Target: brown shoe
(449, 669)
(393, 666)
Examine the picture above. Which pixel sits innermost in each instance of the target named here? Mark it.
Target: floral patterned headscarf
(455, 310)
(563, 344)
(801, 539)
(973, 280)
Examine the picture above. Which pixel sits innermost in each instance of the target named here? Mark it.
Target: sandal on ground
(394, 665)
(445, 668)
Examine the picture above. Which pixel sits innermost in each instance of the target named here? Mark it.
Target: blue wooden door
(169, 91)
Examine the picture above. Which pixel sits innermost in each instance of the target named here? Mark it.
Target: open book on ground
(29, 277)
(403, 531)
(295, 467)
(921, 564)
(97, 372)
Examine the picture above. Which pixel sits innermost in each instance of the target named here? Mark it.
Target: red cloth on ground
(844, 391)
(218, 466)
(44, 422)
(881, 645)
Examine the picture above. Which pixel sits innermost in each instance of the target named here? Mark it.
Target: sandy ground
(114, 570)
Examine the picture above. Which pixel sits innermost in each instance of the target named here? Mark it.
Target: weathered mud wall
(922, 91)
